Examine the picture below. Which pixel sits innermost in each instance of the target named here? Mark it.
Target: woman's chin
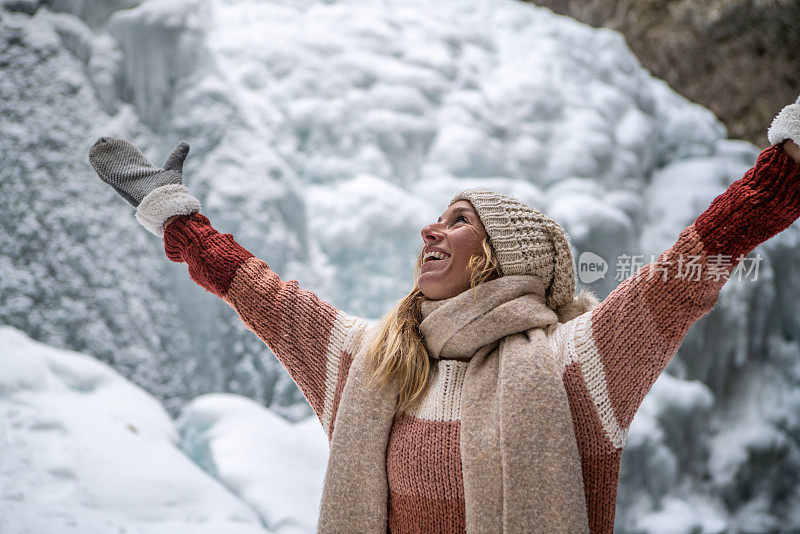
(430, 289)
(434, 291)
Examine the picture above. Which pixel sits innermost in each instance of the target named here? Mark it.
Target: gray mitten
(157, 194)
(786, 125)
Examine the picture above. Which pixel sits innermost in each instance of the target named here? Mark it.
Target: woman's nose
(431, 233)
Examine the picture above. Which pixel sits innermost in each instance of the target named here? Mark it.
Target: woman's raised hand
(785, 128)
(157, 194)
(123, 167)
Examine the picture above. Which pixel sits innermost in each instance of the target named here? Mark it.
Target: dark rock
(28, 7)
(739, 58)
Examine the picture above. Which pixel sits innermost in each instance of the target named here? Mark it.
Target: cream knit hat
(526, 242)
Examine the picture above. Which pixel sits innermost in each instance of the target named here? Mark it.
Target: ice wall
(74, 270)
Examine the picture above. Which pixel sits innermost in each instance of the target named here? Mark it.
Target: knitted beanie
(526, 242)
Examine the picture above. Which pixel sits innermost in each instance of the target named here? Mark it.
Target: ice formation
(324, 135)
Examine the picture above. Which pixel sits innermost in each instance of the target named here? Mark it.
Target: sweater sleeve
(615, 352)
(312, 339)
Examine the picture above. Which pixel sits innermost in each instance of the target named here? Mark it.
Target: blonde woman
(490, 398)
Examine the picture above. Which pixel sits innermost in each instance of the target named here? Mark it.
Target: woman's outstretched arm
(311, 338)
(615, 352)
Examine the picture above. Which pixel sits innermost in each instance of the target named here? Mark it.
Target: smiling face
(455, 238)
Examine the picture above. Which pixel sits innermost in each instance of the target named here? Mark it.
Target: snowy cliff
(87, 452)
(324, 135)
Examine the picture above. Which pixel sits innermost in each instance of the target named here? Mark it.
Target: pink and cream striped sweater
(610, 356)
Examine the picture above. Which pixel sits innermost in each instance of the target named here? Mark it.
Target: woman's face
(457, 236)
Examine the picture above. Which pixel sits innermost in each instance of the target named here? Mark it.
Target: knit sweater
(610, 356)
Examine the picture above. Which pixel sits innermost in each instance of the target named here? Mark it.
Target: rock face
(738, 58)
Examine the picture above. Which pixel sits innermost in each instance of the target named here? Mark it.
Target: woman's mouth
(435, 255)
(434, 261)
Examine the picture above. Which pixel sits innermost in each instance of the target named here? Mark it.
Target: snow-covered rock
(85, 451)
(275, 466)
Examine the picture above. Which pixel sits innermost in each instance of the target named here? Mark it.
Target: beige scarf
(520, 461)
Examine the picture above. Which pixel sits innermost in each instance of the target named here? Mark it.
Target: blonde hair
(398, 358)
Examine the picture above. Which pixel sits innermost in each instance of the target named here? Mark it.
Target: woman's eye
(459, 218)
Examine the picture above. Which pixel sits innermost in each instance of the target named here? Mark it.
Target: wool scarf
(520, 461)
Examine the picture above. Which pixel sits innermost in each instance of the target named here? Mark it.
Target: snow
(680, 516)
(324, 135)
(86, 451)
(276, 467)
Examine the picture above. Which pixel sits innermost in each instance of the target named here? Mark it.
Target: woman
(490, 398)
